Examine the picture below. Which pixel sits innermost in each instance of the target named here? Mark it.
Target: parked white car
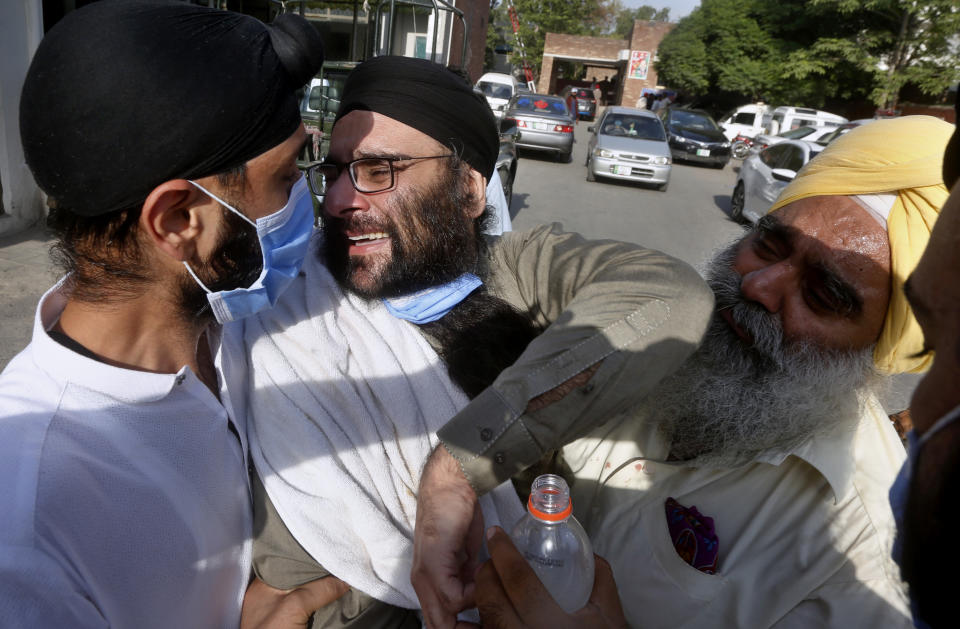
(787, 118)
(763, 175)
(498, 89)
(752, 120)
(746, 120)
(807, 134)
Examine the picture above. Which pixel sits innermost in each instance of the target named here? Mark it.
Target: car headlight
(661, 160)
(605, 153)
(725, 145)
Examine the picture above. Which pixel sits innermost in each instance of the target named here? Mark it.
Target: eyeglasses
(367, 174)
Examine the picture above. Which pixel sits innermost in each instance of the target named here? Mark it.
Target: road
(689, 221)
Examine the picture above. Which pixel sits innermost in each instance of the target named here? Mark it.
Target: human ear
(477, 185)
(172, 219)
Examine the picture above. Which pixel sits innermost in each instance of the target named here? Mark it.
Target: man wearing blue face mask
(924, 497)
(126, 499)
(410, 335)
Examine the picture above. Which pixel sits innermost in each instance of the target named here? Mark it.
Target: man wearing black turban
(405, 314)
(160, 131)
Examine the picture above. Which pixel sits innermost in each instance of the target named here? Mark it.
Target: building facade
(624, 66)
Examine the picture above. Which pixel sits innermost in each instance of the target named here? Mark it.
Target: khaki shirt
(637, 312)
(804, 537)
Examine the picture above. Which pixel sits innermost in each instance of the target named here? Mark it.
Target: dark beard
(433, 243)
(729, 402)
(480, 337)
(236, 262)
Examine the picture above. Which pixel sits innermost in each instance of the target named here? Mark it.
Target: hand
(446, 541)
(509, 594)
(267, 607)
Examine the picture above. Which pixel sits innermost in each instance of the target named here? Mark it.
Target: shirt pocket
(657, 587)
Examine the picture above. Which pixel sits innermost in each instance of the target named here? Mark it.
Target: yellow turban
(902, 156)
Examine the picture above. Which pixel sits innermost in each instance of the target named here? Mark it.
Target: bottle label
(551, 562)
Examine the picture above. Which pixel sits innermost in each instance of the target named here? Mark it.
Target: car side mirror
(592, 129)
(783, 174)
(508, 126)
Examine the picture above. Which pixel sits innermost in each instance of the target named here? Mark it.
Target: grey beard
(729, 402)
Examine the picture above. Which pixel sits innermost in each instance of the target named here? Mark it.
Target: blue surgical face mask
(433, 303)
(284, 239)
(900, 490)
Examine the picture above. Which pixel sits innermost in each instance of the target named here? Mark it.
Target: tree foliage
(808, 51)
(539, 17)
(624, 17)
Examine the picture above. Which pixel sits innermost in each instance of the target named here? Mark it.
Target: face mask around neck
(284, 240)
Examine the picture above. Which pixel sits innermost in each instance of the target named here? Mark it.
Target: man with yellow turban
(750, 489)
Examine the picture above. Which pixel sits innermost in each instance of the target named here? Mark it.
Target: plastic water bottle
(554, 543)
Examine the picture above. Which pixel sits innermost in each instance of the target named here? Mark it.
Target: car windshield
(639, 127)
(799, 132)
(693, 120)
(830, 137)
(539, 103)
(495, 90)
(582, 93)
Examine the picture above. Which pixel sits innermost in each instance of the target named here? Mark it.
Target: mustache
(764, 328)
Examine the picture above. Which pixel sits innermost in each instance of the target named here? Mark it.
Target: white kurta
(125, 498)
(804, 537)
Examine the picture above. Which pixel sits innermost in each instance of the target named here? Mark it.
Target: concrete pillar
(546, 75)
(21, 28)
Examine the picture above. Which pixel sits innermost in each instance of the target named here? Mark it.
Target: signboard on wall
(639, 64)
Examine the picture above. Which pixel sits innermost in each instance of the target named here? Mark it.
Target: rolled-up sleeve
(634, 313)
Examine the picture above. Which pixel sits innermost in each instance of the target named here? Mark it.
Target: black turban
(430, 98)
(123, 95)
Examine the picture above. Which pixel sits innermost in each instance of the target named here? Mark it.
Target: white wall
(21, 28)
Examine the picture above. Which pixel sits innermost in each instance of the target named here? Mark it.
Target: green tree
(573, 17)
(626, 16)
(901, 42)
(722, 46)
(805, 52)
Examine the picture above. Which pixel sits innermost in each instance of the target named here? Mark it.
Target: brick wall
(605, 54)
(645, 36)
(557, 46)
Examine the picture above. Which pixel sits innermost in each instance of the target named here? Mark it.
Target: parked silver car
(629, 144)
(763, 175)
(543, 123)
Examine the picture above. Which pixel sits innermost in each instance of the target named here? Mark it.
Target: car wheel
(590, 175)
(740, 149)
(736, 203)
(565, 157)
(663, 187)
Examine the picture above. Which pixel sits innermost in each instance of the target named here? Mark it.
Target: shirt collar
(126, 385)
(831, 454)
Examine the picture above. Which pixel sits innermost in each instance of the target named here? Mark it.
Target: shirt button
(179, 379)
(499, 458)
(486, 434)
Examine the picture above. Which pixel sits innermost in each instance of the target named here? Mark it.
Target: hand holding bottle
(510, 596)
